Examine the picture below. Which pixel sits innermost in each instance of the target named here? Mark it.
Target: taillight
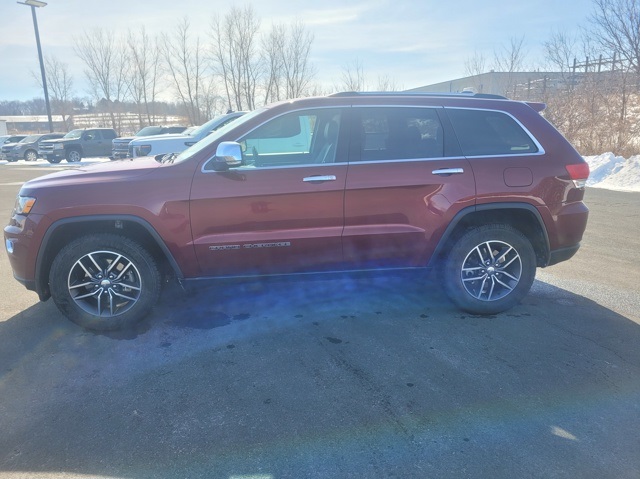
(579, 173)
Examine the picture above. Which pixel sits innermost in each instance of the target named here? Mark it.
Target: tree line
(589, 81)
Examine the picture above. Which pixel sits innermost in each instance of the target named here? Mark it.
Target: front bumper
(21, 246)
(53, 155)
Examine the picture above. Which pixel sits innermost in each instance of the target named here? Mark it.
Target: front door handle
(319, 178)
(448, 171)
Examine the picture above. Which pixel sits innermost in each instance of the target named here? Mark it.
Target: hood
(114, 171)
(9, 146)
(168, 138)
(58, 140)
(124, 139)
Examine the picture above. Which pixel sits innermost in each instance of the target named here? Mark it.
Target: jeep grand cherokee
(479, 186)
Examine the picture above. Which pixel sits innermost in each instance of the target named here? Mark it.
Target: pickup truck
(120, 146)
(78, 144)
(159, 145)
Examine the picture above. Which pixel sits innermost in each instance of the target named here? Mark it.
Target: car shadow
(371, 376)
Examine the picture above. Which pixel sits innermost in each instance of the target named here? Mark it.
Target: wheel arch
(74, 147)
(522, 216)
(133, 227)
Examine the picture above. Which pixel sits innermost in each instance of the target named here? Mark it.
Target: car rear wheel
(73, 156)
(30, 155)
(104, 282)
(490, 269)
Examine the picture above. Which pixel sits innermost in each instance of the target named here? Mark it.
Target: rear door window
(397, 133)
(489, 133)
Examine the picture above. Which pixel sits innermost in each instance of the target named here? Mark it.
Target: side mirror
(228, 155)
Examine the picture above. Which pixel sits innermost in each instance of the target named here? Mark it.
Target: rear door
(282, 210)
(406, 181)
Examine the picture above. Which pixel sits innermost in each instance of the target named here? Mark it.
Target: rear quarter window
(489, 133)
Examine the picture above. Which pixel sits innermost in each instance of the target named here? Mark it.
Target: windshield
(203, 129)
(74, 134)
(150, 131)
(213, 137)
(30, 139)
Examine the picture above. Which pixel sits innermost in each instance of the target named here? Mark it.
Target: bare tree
(273, 46)
(476, 64)
(474, 67)
(510, 59)
(235, 55)
(146, 71)
(352, 77)
(560, 51)
(60, 85)
(386, 83)
(616, 27)
(107, 62)
(185, 66)
(297, 69)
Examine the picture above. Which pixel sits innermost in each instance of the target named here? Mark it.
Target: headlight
(24, 204)
(143, 150)
(58, 147)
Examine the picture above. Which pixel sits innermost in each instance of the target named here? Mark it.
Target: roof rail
(420, 93)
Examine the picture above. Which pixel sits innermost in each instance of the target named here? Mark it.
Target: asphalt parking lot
(335, 377)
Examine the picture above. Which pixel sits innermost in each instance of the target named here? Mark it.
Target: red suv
(479, 186)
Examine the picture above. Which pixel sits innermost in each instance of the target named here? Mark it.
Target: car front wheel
(31, 156)
(104, 282)
(490, 269)
(73, 156)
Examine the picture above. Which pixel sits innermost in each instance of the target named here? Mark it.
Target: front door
(92, 142)
(281, 211)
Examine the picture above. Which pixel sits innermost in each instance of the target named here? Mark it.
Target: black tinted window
(399, 133)
(108, 134)
(483, 132)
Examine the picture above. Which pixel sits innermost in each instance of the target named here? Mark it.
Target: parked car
(7, 142)
(160, 145)
(27, 148)
(120, 146)
(78, 144)
(480, 188)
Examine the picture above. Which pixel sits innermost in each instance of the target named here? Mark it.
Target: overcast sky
(413, 42)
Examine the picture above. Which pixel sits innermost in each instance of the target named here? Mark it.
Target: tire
(490, 269)
(73, 156)
(30, 155)
(104, 282)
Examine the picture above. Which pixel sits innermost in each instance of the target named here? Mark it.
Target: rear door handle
(448, 171)
(319, 178)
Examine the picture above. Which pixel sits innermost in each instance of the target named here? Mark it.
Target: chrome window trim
(407, 160)
(541, 151)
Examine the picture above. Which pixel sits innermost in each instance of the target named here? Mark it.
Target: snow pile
(614, 172)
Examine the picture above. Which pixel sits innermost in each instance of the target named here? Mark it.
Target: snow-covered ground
(614, 172)
(607, 170)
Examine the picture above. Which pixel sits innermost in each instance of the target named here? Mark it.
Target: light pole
(33, 4)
